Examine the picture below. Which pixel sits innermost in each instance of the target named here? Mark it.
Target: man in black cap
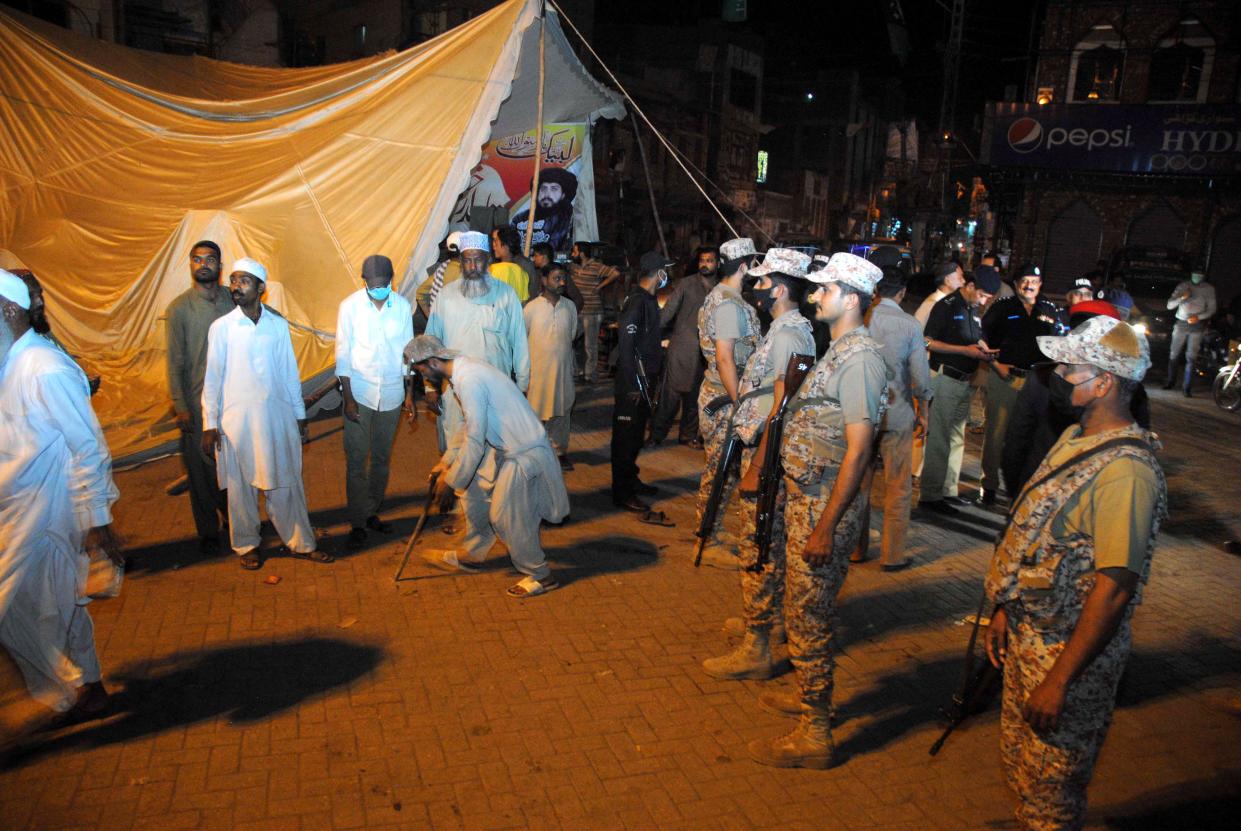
(638, 363)
(187, 321)
(954, 335)
(553, 208)
(1082, 291)
(372, 327)
(1012, 326)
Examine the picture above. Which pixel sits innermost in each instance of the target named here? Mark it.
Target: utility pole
(952, 68)
(948, 104)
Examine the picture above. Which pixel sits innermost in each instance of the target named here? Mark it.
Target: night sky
(830, 33)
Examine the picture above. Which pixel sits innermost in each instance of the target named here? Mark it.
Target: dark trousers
(629, 418)
(666, 410)
(207, 501)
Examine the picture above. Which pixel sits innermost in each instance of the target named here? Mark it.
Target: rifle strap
(1073, 462)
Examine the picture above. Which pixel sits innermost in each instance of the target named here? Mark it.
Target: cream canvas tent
(113, 161)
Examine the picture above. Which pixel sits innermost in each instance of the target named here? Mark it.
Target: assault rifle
(977, 687)
(730, 451)
(772, 470)
(644, 383)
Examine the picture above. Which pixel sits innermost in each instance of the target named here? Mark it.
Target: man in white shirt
(372, 327)
(551, 321)
(1194, 302)
(254, 419)
(948, 278)
(500, 464)
(56, 494)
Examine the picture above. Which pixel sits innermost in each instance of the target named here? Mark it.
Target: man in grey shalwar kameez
(499, 463)
(684, 366)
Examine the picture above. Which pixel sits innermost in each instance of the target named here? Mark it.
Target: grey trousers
(945, 440)
(368, 449)
(207, 501)
(1186, 338)
(590, 344)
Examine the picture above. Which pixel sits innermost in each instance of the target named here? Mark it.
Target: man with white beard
(56, 494)
(480, 317)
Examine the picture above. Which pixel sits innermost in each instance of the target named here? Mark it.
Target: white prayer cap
(13, 289)
(252, 267)
(475, 240)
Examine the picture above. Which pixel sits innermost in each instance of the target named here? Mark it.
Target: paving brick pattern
(336, 699)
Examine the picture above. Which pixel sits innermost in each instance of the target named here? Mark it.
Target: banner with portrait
(500, 186)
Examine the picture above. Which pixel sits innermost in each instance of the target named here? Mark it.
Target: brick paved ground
(337, 700)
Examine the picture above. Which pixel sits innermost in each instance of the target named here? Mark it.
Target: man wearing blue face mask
(639, 360)
(372, 328)
(1194, 302)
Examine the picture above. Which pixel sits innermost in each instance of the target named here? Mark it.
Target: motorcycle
(1226, 390)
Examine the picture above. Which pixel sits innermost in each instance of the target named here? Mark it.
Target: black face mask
(1060, 394)
(763, 300)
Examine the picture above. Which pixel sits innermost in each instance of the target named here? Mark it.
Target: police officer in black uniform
(1012, 325)
(639, 337)
(954, 335)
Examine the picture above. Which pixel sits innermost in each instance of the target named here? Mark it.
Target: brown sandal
(250, 561)
(315, 556)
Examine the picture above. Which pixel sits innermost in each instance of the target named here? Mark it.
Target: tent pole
(650, 191)
(538, 142)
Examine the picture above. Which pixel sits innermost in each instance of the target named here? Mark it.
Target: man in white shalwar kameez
(500, 464)
(56, 494)
(253, 420)
(480, 317)
(551, 323)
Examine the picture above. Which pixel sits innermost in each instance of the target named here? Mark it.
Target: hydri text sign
(1185, 140)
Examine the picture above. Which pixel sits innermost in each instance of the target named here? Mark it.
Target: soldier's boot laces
(735, 627)
(750, 660)
(808, 746)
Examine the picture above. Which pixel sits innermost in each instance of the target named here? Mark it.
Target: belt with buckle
(954, 373)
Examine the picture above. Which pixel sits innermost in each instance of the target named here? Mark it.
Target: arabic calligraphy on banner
(503, 177)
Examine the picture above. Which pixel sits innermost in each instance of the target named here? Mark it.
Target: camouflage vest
(1052, 577)
(814, 435)
(744, 345)
(752, 413)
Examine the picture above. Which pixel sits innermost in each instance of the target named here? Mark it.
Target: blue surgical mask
(380, 293)
(1195, 278)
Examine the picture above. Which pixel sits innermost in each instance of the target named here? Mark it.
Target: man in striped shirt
(591, 277)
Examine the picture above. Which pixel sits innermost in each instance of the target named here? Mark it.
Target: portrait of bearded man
(553, 208)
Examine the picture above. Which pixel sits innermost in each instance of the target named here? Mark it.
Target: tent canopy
(114, 161)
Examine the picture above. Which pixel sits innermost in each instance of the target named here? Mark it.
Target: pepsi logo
(1025, 135)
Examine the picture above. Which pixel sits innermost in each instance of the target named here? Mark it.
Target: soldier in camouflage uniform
(728, 333)
(1069, 571)
(779, 291)
(828, 438)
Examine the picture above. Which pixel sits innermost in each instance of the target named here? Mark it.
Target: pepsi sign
(1178, 139)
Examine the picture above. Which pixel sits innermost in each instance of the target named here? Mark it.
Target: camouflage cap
(735, 249)
(427, 346)
(851, 270)
(1112, 345)
(783, 260)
